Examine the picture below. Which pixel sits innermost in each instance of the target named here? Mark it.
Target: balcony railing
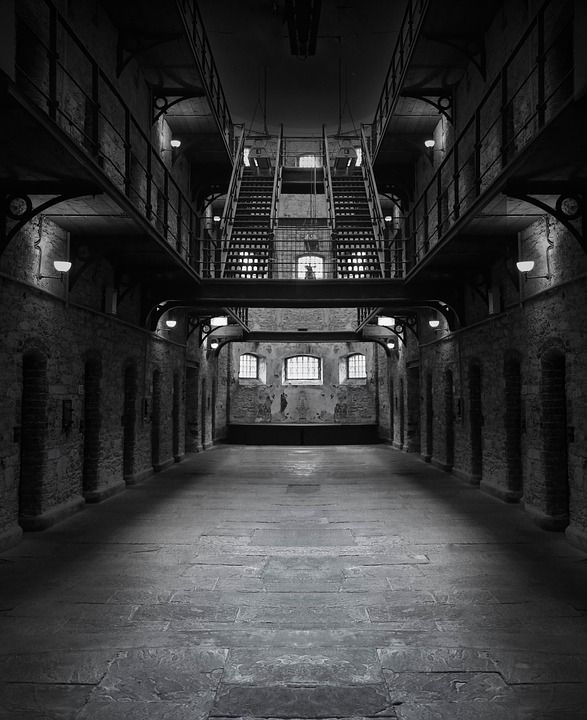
(393, 83)
(202, 52)
(531, 89)
(56, 71)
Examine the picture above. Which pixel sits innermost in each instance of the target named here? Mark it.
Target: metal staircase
(251, 240)
(354, 244)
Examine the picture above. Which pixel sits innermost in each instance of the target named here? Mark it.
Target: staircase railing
(275, 192)
(227, 222)
(328, 181)
(373, 200)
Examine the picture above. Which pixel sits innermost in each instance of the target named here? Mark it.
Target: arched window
(303, 369)
(251, 368)
(248, 367)
(356, 366)
(310, 267)
(352, 367)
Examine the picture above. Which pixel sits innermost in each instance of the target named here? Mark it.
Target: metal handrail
(373, 199)
(276, 180)
(328, 181)
(402, 53)
(227, 220)
(115, 142)
(202, 51)
(489, 140)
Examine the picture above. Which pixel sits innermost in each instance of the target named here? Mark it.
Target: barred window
(310, 161)
(310, 267)
(356, 366)
(303, 367)
(249, 367)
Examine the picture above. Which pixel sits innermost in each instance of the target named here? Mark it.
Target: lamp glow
(214, 344)
(216, 218)
(390, 344)
(175, 143)
(430, 143)
(525, 266)
(388, 218)
(384, 321)
(219, 321)
(171, 323)
(434, 323)
(62, 265)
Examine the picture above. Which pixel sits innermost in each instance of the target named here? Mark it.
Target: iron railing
(202, 53)
(227, 220)
(393, 83)
(534, 85)
(379, 229)
(328, 181)
(55, 71)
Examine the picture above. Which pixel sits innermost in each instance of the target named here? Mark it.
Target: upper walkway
(295, 583)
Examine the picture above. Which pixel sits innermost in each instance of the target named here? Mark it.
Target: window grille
(310, 267)
(310, 161)
(356, 366)
(302, 367)
(248, 367)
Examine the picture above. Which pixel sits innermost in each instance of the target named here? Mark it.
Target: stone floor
(338, 582)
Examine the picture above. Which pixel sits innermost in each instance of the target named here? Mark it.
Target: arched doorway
(475, 421)
(402, 415)
(449, 420)
(191, 409)
(554, 438)
(429, 419)
(513, 427)
(156, 420)
(92, 425)
(129, 424)
(33, 442)
(203, 401)
(176, 404)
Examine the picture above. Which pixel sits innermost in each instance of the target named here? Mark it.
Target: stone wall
(275, 401)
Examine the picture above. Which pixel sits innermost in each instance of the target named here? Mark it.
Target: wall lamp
(390, 344)
(175, 143)
(385, 321)
(434, 323)
(62, 267)
(526, 266)
(219, 321)
(214, 344)
(430, 143)
(171, 323)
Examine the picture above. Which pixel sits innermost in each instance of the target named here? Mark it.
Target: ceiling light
(62, 265)
(525, 266)
(171, 323)
(388, 218)
(385, 321)
(219, 321)
(430, 143)
(216, 218)
(175, 143)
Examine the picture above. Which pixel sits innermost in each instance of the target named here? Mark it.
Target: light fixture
(525, 266)
(434, 323)
(215, 344)
(385, 321)
(390, 344)
(171, 323)
(62, 266)
(219, 321)
(175, 143)
(430, 143)
(388, 218)
(216, 218)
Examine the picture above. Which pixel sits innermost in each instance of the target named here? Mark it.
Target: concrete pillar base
(96, 496)
(10, 537)
(470, 478)
(546, 521)
(508, 496)
(163, 465)
(138, 477)
(441, 464)
(52, 516)
(577, 537)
